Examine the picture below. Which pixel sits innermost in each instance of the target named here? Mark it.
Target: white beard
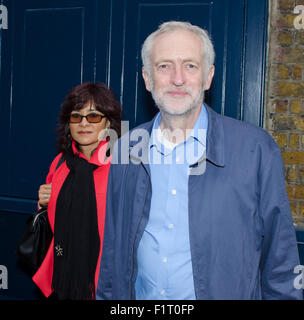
(187, 108)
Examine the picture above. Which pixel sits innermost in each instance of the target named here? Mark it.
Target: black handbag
(35, 241)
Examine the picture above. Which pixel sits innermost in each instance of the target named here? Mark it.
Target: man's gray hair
(208, 49)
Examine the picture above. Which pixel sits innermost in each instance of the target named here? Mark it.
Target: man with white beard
(207, 217)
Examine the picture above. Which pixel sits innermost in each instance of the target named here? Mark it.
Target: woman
(75, 193)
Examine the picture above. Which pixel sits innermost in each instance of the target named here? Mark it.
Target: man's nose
(178, 76)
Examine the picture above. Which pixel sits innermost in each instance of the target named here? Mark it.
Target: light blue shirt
(164, 257)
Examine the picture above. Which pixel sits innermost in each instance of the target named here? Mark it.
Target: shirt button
(165, 259)
(173, 191)
(163, 292)
(171, 226)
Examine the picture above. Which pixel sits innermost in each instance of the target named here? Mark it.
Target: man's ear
(208, 81)
(146, 79)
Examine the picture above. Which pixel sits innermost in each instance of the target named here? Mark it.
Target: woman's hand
(44, 194)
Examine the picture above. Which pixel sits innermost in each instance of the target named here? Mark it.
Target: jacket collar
(215, 140)
(99, 156)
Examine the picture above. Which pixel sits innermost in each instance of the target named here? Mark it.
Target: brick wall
(284, 112)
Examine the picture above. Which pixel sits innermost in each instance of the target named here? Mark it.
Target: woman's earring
(107, 133)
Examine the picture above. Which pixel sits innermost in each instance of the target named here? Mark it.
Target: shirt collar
(214, 145)
(157, 140)
(198, 133)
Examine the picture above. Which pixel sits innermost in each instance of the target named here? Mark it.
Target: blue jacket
(242, 238)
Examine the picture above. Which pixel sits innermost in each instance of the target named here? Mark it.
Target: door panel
(51, 51)
(36, 81)
(223, 19)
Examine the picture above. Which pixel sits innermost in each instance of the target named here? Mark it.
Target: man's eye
(191, 66)
(163, 66)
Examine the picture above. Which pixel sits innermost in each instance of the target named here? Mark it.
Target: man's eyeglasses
(92, 117)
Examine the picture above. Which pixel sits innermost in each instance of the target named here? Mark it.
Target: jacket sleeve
(104, 286)
(279, 249)
(52, 169)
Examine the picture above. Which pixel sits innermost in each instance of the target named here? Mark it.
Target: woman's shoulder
(57, 161)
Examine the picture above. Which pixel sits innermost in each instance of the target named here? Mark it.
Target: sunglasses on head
(92, 117)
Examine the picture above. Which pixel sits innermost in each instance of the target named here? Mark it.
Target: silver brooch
(59, 250)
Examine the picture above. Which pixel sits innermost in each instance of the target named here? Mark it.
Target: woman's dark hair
(104, 101)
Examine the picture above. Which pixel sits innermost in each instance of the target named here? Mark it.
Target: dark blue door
(238, 30)
(52, 45)
(49, 47)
